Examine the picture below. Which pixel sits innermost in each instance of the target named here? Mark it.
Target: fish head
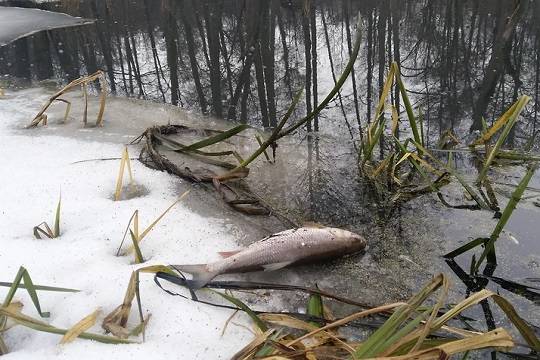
(351, 241)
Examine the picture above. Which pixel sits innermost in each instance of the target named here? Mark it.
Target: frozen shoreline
(35, 169)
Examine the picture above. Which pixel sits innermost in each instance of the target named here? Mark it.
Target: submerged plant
(44, 229)
(489, 243)
(395, 175)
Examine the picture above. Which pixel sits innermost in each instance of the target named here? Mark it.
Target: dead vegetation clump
(41, 116)
(424, 327)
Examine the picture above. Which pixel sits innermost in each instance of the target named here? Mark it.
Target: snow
(35, 169)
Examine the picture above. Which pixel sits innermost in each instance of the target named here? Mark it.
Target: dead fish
(301, 245)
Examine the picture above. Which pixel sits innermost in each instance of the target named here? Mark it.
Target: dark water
(245, 60)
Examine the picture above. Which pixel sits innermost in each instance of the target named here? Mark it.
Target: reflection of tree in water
(327, 190)
(244, 60)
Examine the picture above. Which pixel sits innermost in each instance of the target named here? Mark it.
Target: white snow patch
(34, 170)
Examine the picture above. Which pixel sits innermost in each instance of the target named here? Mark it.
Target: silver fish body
(302, 245)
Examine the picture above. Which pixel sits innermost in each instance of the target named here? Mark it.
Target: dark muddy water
(244, 61)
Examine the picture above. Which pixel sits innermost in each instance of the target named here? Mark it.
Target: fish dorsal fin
(226, 254)
(276, 266)
(312, 224)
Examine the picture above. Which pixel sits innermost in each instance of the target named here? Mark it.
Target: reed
(489, 248)
(411, 330)
(11, 310)
(41, 116)
(137, 236)
(124, 162)
(489, 243)
(44, 229)
(508, 119)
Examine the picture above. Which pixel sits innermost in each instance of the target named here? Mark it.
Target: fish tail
(201, 274)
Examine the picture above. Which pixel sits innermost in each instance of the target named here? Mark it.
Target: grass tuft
(41, 116)
(136, 236)
(45, 230)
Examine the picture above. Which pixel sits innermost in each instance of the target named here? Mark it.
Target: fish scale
(279, 250)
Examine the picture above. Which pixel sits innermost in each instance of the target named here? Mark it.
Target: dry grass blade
(119, 180)
(375, 130)
(6, 324)
(498, 338)
(377, 342)
(138, 237)
(116, 321)
(341, 322)
(288, 321)
(153, 269)
(80, 327)
(102, 99)
(253, 345)
(382, 99)
(294, 323)
(45, 230)
(151, 226)
(139, 259)
(82, 81)
(38, 325)
(513, 117)
(57, 218)
(527, 333)
(68, 108)
(501, 121)
(409, 333)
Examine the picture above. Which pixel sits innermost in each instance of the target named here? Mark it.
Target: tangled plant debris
(422, 328)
